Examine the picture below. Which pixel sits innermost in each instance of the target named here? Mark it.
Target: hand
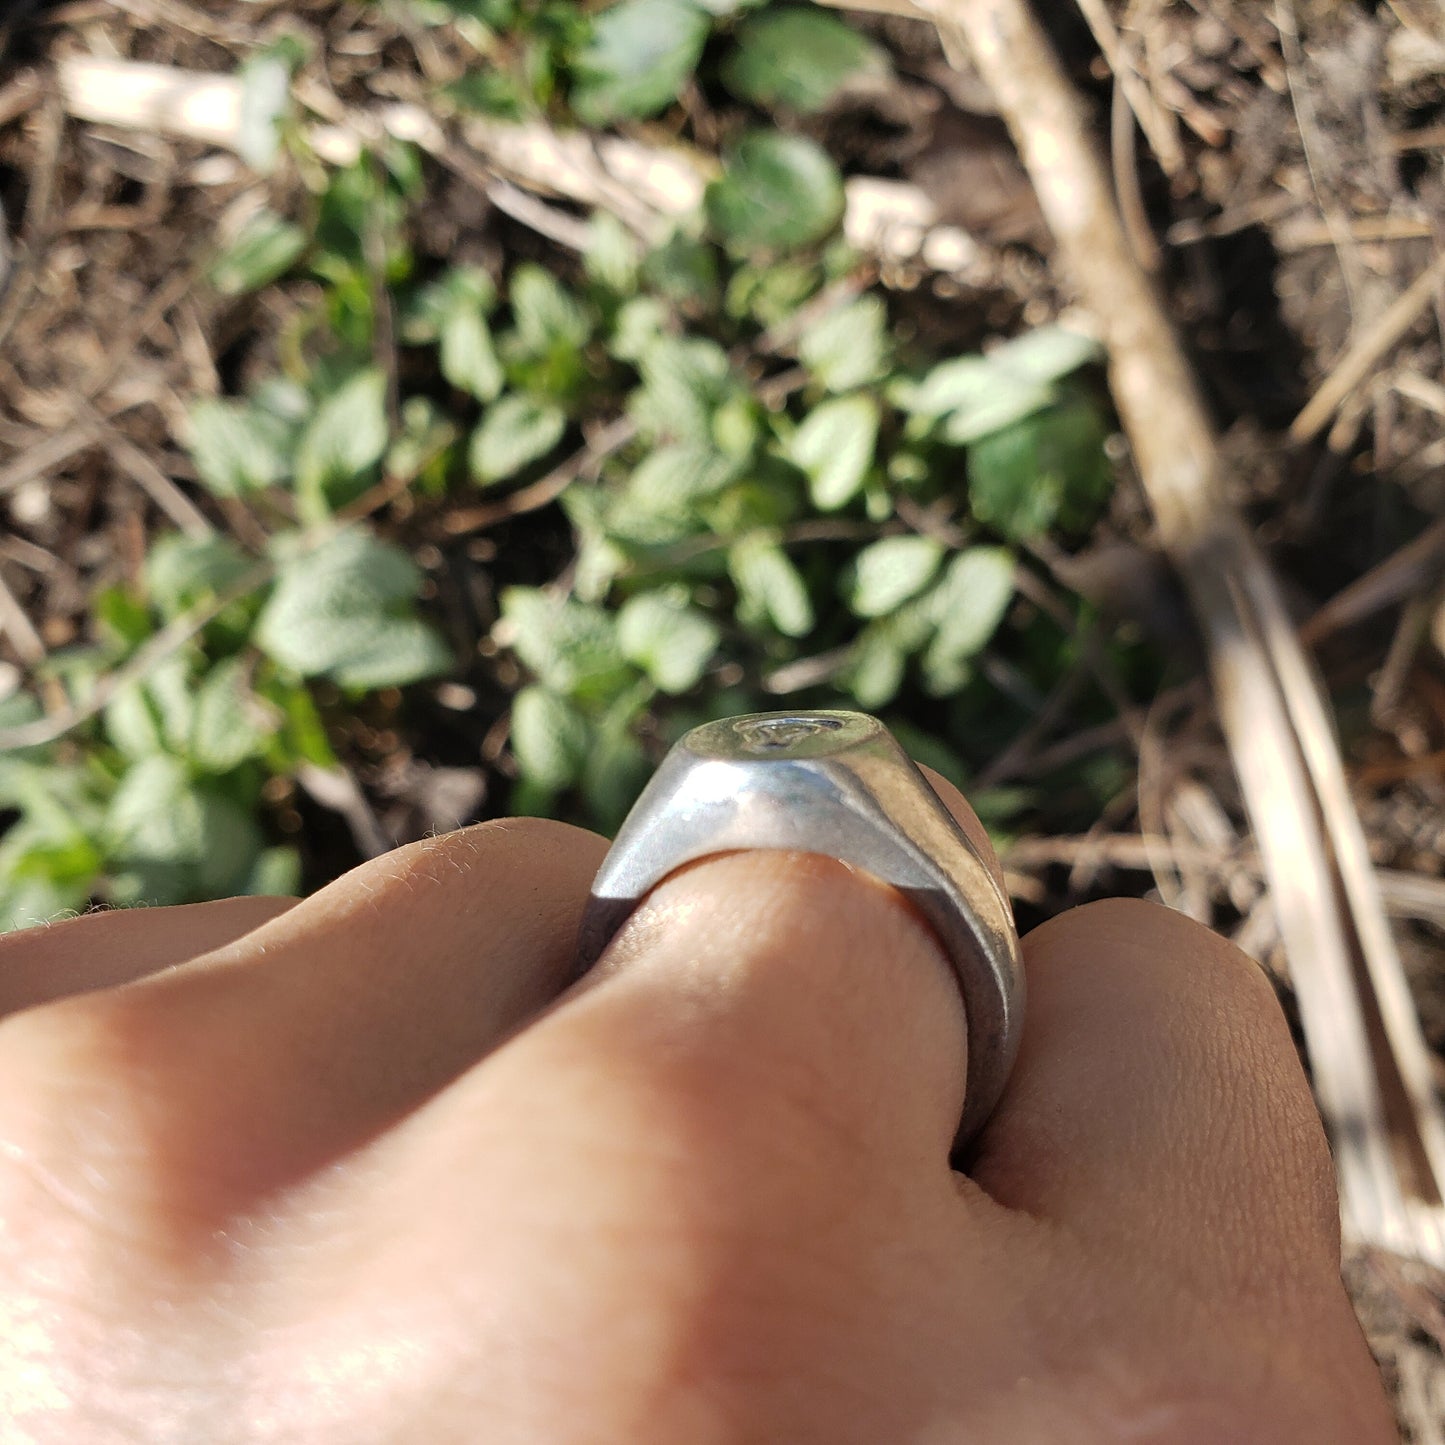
(357, 1169)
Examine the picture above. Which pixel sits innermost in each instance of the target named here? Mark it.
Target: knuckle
(1223, 1013)
(1194, 959)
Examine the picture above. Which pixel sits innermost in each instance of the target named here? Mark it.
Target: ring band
(835, 783)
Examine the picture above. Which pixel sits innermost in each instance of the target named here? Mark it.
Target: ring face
(835, 783)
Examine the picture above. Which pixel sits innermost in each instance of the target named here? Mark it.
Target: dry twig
(1361, 357)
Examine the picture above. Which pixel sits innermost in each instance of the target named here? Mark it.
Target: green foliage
(777, 192)
(237, 446)
(468, 359)
(266, 247)
(965, 609)
(970, 397)
(549, 738)
(1048, 468)
(341, 444)
(796, 58)
(343, 611)
(848, 347)
(770, 590)
(669, 640)
(768, 526)
(834, 447)
(640, 54)
(888, 572)
(514, 432)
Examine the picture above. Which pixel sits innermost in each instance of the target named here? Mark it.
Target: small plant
(751, 540)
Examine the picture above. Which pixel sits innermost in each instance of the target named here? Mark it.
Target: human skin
(363, 1168)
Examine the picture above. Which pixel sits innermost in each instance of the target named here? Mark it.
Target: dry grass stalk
(1381, 1111)
(1361, 357)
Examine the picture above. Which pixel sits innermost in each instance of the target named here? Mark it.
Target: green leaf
(769, 585)
(43, 876)
(616, 769)
(797, 58)
(976, 395)
(966, 607)
(972, 396)
(420, 448)
(276, 874)
(400, 650)
(770, 291)
(670, 481)
(515, 431)
(344, 610)
(156, 815)
(131, 723)
(848, 348)
(182, 571)
(639, 322)
(344, 439)
(641, 54)
(1047, 354)
(684, 271)
(888, 572)
(613, 256)
(737, 426)
(154, 714)
(571, 646)
(834, 448)
(670, 641)
(498, 93)
(58, 802)
(460, 288)
(544, 313)
(266, 247)
(468, 358)
(237, 447)
(1050, 466)
(776, 192)
(876, 668)
(176, 840)
(229, 725)
(302, 738)
(549, 738)
(684, 381)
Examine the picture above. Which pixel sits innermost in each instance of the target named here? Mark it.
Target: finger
(100, 950)
(822, 986)
(966, 819)
(1158, 1104)
(255, 1064)
(766, 996)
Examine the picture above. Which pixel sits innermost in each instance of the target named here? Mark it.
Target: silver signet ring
(835, 783)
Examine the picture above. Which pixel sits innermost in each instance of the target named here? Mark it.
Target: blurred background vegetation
(762, 489)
